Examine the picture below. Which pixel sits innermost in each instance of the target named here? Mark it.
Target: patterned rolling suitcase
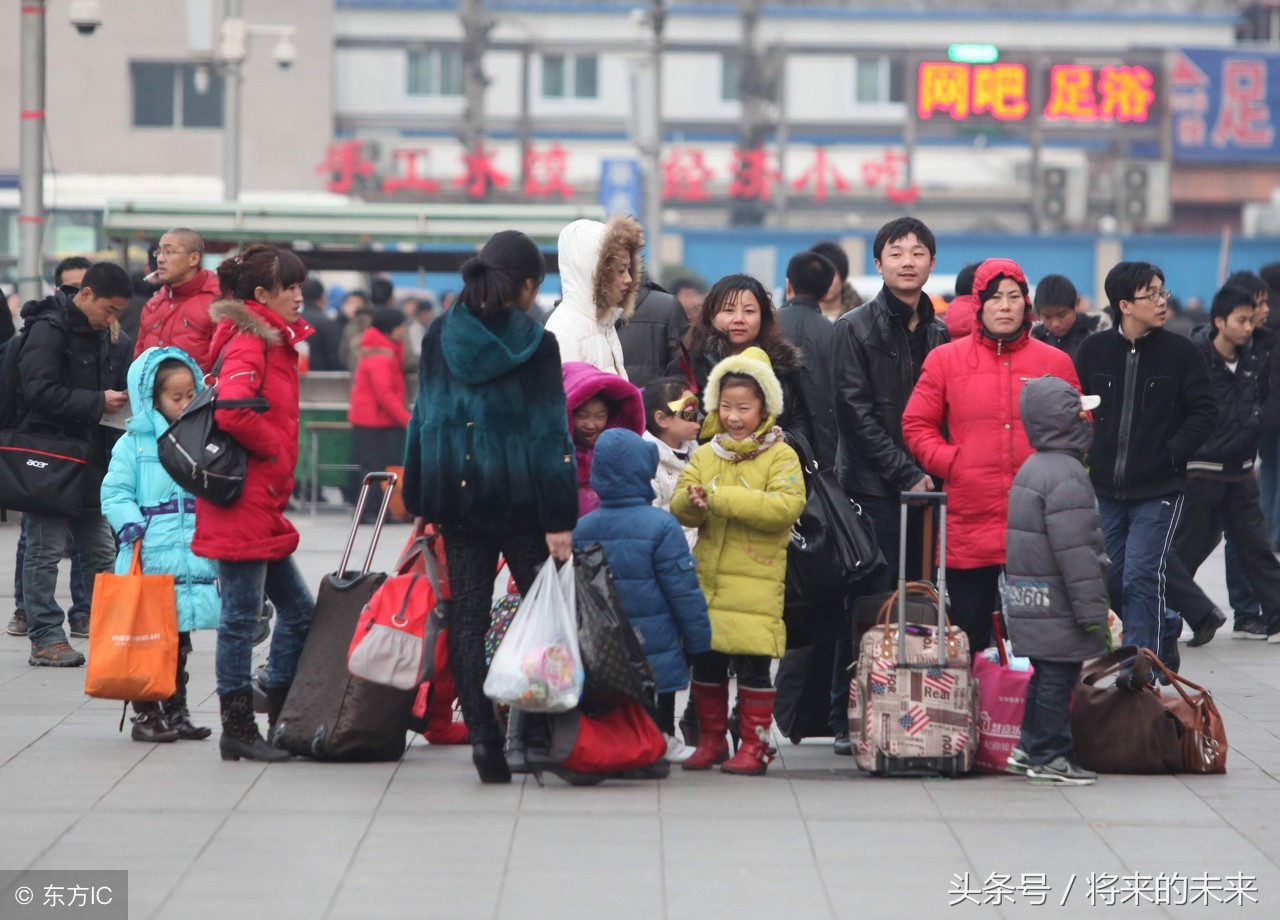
(913, 703)
(329, 714)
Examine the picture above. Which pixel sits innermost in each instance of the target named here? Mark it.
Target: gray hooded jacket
(1057, 607)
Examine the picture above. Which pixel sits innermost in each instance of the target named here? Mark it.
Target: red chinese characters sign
(1121, 93)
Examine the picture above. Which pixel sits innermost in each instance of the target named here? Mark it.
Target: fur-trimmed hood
(753, 363)
(253, 318)
(588, 252)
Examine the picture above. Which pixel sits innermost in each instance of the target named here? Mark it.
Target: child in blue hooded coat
(651, 566)
(142, 502)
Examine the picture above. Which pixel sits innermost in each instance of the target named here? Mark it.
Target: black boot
(490, 761)
(275, 703)
(689, 723)
(149, 724)
(175, 707)
(240, 736)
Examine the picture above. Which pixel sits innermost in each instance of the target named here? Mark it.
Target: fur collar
(245, 319)
(784, 357)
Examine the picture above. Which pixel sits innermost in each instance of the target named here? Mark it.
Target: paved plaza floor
(423, 839)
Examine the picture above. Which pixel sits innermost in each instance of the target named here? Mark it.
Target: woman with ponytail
(489, 458)
(257, 329)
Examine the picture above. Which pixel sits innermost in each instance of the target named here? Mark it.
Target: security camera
(285, 53)
(86, 15)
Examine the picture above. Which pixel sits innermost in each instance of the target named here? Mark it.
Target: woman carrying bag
(489, 458)
(258, 329)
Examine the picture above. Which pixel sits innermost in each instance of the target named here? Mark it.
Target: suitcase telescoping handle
(907, 499)
(369, 480)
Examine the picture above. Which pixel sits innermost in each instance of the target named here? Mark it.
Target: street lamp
(233, 48)
(652, 20)
(31, 153)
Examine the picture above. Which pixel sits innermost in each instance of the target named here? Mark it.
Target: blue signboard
(1224, 105)
(621, 187)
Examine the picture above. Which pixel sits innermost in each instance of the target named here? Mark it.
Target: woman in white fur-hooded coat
(599, 277)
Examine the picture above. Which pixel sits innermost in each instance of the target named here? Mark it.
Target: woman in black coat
(737, 314)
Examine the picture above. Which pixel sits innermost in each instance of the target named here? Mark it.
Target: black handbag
(201, 458)
(833, 545)
(616, 666)
(42, 474)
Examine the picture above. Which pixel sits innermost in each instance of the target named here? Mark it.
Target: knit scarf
(736, 451)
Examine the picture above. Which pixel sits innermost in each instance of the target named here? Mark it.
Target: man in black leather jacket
(876, 356)
(876, 359)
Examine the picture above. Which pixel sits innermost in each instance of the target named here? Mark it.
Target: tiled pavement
(422, 838)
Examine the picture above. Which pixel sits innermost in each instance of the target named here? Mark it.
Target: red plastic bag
(621, 739)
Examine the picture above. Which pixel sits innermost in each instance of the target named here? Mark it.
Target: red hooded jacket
(179, 316)
(970, 389)
(260, 353)
(584, 382)
(377, 393)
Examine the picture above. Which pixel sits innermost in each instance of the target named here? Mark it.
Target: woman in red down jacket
(962, 424)
(258, 327)
(377, 413)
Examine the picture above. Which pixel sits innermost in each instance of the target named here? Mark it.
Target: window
(570, 76)
(730, 78)
(175, 95)
(435, 72)
(877, 79)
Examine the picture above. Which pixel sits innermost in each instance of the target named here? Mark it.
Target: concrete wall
(287, 115)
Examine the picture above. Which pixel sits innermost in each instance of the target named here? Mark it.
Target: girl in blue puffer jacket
(651, 567)
(142, 502)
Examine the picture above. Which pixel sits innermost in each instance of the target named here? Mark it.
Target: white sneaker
(677, 750)
(1187, 632)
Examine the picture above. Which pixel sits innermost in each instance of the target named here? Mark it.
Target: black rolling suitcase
(329, 714)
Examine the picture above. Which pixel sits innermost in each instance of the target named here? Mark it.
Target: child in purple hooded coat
(597, 401)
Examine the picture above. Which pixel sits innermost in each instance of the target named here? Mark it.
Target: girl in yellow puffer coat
(743, 491)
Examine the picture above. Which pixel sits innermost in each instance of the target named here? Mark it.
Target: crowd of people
(663, 425)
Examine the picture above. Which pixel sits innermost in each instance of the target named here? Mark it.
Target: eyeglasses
(1157, 297)
(157, 253)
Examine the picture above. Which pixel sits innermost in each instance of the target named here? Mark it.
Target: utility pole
(232, 50)
(653, 184)
(31, 219)
(476, 27)
(757, 91)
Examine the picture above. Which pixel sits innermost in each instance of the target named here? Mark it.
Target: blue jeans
(1139, 537)
(46, 547)
(1239, 589)
(79, 603)
(1046, 722)
(242, 585)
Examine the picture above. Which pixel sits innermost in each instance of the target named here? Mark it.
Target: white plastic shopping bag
(538, 667)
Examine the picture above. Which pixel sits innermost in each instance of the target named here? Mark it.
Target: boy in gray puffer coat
(1054, 568)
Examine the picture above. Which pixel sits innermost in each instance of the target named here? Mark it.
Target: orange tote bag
(133, 635)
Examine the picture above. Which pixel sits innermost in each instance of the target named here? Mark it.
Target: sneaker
(677, 750)
(1017, 763)
(18, 625)
(79, 628)
(1062, 772)
(1203, 634)
(1274, 638)
(58, 655)
(1249, 629)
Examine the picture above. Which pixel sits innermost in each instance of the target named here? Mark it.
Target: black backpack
(201, 458)
(11, 402)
